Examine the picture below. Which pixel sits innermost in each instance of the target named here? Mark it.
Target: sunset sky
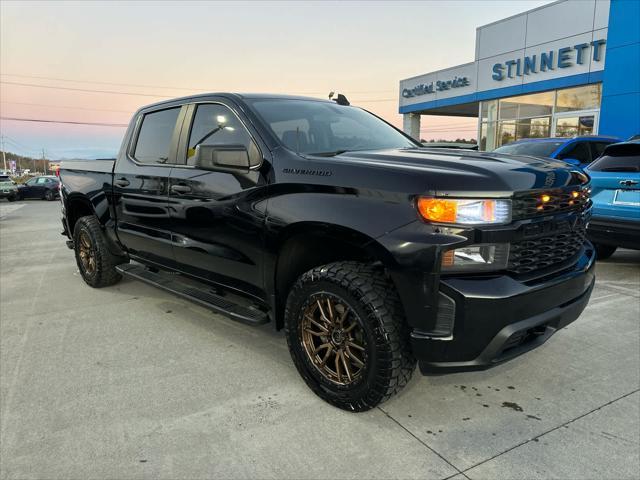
(51, 53)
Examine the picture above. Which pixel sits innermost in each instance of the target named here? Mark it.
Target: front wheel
(347, 335)
(604, 251)
(96, 263)
(12, 198)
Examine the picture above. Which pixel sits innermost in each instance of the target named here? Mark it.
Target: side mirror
(572, 161)
(226, 158)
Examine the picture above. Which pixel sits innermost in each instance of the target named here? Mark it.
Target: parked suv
(8, 188)
(369, 250)
(615, 181)
(579, 151)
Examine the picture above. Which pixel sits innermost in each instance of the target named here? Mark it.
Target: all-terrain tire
(604, 251)
(89, 242)
(389, 362)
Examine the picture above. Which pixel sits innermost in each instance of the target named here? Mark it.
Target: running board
(241, 313)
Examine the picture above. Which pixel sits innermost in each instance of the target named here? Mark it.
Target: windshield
(312, 127)
(536, 149)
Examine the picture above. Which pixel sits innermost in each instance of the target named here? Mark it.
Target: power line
(40, 120)
(85, 90)
(114, 92)
(18, 144)
(156, 86)
(69, 107)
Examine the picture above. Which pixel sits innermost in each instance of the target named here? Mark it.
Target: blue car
(579, 151)
(615, 184)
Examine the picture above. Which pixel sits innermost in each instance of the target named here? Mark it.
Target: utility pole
(4, 155)
(44, 162)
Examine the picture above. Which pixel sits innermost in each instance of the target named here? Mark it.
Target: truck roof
(236, 96)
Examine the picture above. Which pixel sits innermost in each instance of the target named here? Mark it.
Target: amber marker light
(545, 198)
(574, 194)
(438, 209)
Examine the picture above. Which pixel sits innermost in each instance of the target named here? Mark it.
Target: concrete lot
(132, 382)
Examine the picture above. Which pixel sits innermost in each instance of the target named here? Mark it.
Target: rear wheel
(604, 251)
(347, 335)
(96, 263)
(49, 195)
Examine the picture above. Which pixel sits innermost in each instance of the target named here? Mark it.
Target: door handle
(122, 182)
(628, 183)
(180, 188)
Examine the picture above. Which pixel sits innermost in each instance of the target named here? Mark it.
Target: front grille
(547, 251)
(538, 203)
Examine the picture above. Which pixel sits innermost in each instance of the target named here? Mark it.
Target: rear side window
(597, 148)
(579, 151)
(154, 138)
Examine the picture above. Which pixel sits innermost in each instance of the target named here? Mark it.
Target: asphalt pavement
(132, 382)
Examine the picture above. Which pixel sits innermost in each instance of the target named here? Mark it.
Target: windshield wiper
(328, 154)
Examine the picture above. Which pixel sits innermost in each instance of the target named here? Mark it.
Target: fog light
(489, 257)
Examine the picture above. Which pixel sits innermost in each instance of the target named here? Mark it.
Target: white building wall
(565, 23)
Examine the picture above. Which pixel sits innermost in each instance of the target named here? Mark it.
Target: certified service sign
(432, 87)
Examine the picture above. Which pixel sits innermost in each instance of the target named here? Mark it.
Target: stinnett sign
(438, 86)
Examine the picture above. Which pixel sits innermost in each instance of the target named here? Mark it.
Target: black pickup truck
(371, 251)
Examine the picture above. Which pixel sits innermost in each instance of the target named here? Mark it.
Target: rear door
(140, 186)
(34, 188)
(218, 216)
(615, 182)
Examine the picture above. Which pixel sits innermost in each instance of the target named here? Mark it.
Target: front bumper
(498, 318)
(615, 232)
(8, 193)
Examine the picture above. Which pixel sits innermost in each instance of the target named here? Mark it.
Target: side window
(579, 151)
(41, 180)
(154, 138)
(215, 124)
(31, 182)
(597, 148)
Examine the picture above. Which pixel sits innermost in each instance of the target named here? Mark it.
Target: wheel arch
(305, 245)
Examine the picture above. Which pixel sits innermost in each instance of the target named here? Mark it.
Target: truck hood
(451, 171)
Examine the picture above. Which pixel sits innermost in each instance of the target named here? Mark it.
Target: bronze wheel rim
(87, 254)
(334, 339)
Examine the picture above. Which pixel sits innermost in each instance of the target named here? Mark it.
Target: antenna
(340, 99)
(298, 140)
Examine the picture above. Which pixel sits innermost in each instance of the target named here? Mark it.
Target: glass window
(216, 124)
(31, 182)
(326, 127)
(155, 136)
(578, 98)
(574, 126)
(630, 163)
(578, 150)
(597, 148)
(534, 105)
(506, 132)
(536, 149)
(41, 180)
(533, 128)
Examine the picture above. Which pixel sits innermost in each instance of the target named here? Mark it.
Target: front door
(572, 124)
(218, 216)
(141, 187)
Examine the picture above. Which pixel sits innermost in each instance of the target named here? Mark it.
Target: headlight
(465, 211)
(476, 258)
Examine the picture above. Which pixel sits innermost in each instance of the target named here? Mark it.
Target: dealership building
(568, 68)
